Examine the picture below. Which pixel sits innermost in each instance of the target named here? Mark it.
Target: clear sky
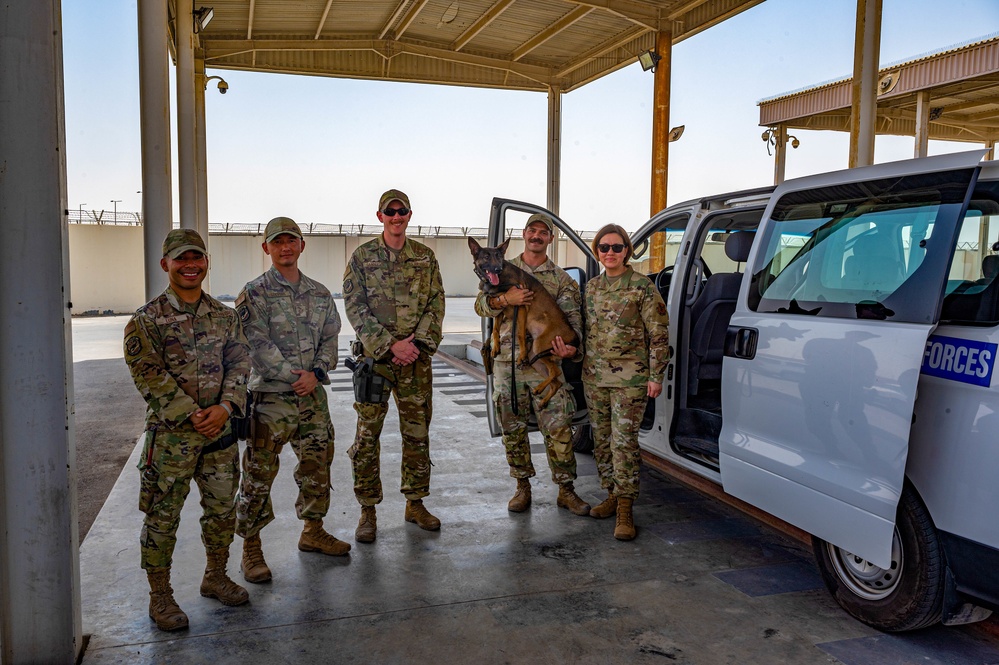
(321, 150)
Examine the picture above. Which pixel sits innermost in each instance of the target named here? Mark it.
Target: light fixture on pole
(675, 133)
(772, 137)
(115, 202)
(649, 60)
(223, 86)
(202, 17)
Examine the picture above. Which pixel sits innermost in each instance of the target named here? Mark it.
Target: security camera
(223, 87)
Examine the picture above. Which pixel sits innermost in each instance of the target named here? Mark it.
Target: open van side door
(823, 353)
(500, 212)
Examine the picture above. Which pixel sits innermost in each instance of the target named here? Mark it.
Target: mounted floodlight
(772, 137)
(649, 60)
(223, 86)
(202, 17)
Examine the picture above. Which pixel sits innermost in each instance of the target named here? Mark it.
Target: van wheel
(582, 439)
(906, 595)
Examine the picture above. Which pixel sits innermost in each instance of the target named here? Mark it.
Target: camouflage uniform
(389, 296)
(627, 345)
(183, 358)
(289, 327)
(555, 420)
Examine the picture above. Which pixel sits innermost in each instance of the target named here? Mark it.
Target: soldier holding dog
(292, 326)
(555, 420)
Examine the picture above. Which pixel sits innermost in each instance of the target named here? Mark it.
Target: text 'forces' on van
(835, 342)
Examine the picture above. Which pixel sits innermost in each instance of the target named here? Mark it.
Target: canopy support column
(864, 103)
(554, 182)
(922, 124)
(660, 142)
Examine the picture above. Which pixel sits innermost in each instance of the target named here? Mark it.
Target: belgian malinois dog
(543, 318)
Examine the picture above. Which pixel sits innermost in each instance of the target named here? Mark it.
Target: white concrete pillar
(864, 106)
(154, 114)
(922, 124)
(39, 541)
(187, 141)
(554, 182)
(201, 158)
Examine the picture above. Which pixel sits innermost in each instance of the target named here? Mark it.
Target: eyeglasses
(392, 212)
(603, 248)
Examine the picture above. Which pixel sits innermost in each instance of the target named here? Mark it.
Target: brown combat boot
(625, 527)
(366, 526)
(606, 508)
(316, 539)
(418, 514)
(567, 498)
(216, 583)
(163, 609)
(254, 567)
(521, 501)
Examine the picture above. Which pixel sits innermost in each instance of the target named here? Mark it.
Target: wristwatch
(320, 373)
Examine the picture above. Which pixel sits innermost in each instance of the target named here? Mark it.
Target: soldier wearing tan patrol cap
(394, 299)
(292, 325)
(190, 391)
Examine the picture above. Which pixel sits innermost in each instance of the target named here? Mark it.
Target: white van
(834, 345)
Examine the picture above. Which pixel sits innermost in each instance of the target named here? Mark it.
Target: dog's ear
(474, 246)
(502, 247)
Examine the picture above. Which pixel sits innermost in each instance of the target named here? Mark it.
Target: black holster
(370, 386)
(241, 426)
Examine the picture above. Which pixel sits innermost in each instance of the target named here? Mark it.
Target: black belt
(219, 444)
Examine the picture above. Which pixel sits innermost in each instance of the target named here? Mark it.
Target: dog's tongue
(493, 278)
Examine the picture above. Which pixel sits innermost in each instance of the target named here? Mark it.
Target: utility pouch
(149, 478)
(241, 426)
(356, 348)
(370, 387)
(487, 357)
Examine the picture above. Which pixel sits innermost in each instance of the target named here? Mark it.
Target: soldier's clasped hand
(405, 352)
(306, 383)
(209, 422)
(519, 296)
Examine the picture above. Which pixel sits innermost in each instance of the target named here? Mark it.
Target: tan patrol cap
(179, 241)
(280, 225)
(544, 219)
(393, 195)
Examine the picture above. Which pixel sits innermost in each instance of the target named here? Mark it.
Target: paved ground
(702, 584)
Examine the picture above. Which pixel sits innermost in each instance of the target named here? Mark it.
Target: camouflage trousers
(554, 421)
(304, 423)
(412, 388)
(615, 416)
(168, 463)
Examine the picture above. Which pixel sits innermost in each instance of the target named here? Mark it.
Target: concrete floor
(702, 584)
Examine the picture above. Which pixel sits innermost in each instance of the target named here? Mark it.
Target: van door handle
(741, 342)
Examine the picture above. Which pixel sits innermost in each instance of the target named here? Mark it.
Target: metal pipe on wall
(154, 114)
(39, 542)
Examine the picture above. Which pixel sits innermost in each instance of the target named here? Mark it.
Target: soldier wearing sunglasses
(627, 348)
(394, 299)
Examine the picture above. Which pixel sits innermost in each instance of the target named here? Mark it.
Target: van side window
(972, 294)
(870, 250)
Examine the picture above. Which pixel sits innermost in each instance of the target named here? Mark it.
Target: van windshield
(871, 250)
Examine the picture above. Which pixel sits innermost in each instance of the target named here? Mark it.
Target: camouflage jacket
(288, 327)
(182, 362)
(627, 331)
(559, 284)
(388, 299)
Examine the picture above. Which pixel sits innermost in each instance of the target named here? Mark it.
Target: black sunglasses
(604, 248)
(392, 212)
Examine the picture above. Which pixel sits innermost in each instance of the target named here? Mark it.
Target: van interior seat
(980, 300)
(711, 312)
(873, 266)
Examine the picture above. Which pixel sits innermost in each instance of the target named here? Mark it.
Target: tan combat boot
(606, 508)
(316, 539)
(366, 526)
(163, 609)
(217, 584)
(567, 498)
(521, 501)
(418, 514)
(625, 527)
(254, 567)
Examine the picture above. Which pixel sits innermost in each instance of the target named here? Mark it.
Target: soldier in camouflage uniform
(190, 361)
(395, 301)
(292, 326)
(627, 349)
(555, 420)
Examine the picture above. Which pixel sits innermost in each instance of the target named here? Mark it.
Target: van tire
(893, 603)
(582, 439)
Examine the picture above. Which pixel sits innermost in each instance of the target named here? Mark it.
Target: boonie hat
(179, 241)
(280, 225)
(544, 219)
(393, 195)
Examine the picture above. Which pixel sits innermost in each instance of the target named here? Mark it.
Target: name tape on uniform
(955, 359)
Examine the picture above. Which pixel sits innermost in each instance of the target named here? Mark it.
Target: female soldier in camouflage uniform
(627, 348)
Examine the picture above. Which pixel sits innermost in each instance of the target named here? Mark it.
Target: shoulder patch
(244, 313)
(348, 286)
(133, 346)
(661, 308)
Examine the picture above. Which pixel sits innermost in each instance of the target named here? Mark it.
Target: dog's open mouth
(493, 278)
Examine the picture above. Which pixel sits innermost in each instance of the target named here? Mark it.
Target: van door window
(972, 286)
(865, 250)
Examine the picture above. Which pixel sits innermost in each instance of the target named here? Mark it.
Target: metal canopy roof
(510, 44)
(962, 82)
